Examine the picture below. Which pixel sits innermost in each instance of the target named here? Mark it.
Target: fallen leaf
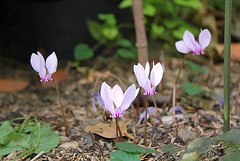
(108, 131)
(12, 85)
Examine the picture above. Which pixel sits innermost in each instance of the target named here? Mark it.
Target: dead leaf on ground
(108, 131)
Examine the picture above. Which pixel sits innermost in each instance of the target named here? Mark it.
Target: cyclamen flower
(149, 85)
(190, 44)
(114, 97)
(45, 70)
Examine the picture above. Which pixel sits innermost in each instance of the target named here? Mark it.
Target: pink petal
(129, 96)
(105, 89)
(51, 63)
(156, 74)
(147, 87)
(204, 38)
(35, 62)
(181, 47)
(41, 58)
(147, 69)
(140, 74)
(117, 95)
(190, 42)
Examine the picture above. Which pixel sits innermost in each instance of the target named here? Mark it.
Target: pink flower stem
(117, 139)
(155, 105)
(179, 72)
(145, 127)
(60, 102)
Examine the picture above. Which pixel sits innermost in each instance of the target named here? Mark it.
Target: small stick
(63, 116)
(99, 147)
(145, 126)
(169, 103)
(37, 156)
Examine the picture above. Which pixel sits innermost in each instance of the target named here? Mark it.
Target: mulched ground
(202, 115)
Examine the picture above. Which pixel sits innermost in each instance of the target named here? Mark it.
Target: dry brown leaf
(108, 131)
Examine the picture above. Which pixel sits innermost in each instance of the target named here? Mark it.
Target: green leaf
(95, 29)
(149, 10)
(195, 67)
(232, 157)
(230, 137)
(5, 130)
(192, 89)
(133, 148)
(124, 156)
(17, 142)
(125, 43)
(126, 53)
(157, 31)
(48, 139)
(170, 24)
(195, 4)
(191, 157)
(125, 4)
(110, 33)
(169, 148)
(82, 52)
(198, 145)
(108, 18)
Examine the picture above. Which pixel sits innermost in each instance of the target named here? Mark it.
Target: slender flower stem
(145, 126)
(176, 81)
(173, 108)
(60, 102)
(227, 47)
(155, 105)
(117, 139)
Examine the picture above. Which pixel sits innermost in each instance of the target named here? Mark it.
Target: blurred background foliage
(165, 23)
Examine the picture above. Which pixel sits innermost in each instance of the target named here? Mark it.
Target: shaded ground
(202, 115)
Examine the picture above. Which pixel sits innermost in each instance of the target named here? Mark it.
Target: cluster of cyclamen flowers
(114, 100)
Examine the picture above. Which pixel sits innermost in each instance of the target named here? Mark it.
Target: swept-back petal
(140, 74)
(105, 89)
(129, 96)
(204, 38)
(117, 95)
(156, 74)
(51, 63)
(41, 58)
(190, 41)
(147, 69)
(35, 62)
(181, 47)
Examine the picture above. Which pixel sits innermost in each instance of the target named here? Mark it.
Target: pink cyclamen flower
(149, 85)
(190, 44)
(45, 70)
(114, 97)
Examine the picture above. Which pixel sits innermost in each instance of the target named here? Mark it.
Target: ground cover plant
(175, 137)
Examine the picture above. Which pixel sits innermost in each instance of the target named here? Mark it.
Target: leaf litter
(202, 115)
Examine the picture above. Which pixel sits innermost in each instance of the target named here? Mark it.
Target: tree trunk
(141, 38)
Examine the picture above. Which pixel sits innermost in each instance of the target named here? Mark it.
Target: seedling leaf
(192, 89)
(169, 148)
(195, 67)
(124, 156)
(199, 145)
(82, 52)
